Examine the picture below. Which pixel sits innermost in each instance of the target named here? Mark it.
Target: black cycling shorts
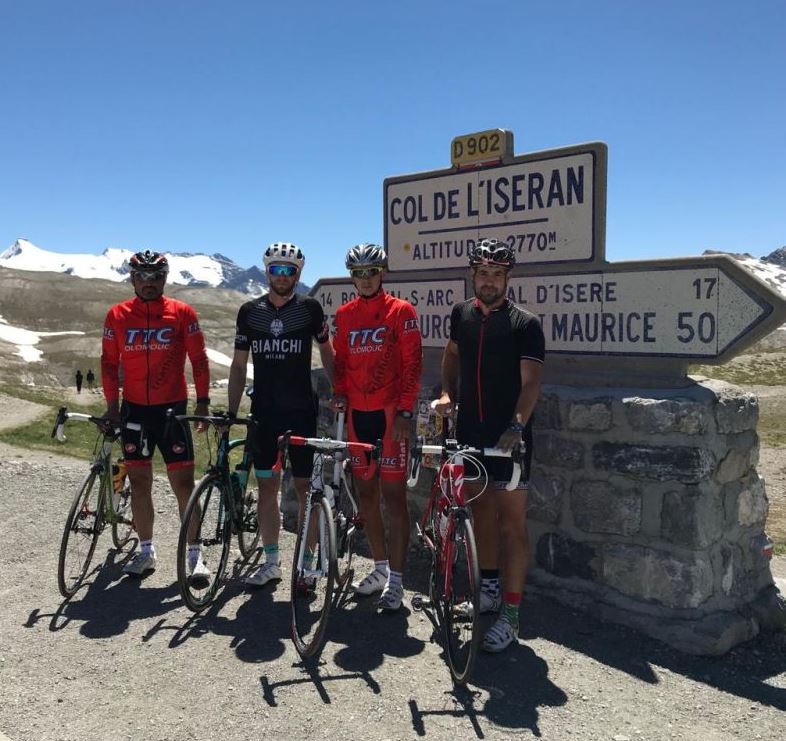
(264, 441)
(143, 428)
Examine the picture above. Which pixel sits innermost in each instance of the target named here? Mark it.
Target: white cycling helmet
(284, 252)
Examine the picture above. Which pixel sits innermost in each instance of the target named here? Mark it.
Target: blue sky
(219, 127)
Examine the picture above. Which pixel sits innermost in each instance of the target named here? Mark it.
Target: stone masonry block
(661, 416)
(752, 504)
(692, 518)
(599, 507)
(544, 498)
(553, 450)
(547, 414)
(686, 464)
(737, 410)
(594, 417)
(644, 573)
(564, 557)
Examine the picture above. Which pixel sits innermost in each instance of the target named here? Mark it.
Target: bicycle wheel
(80, 535)
(345, 523)
(123, 525)
(312, 584)
(207, 522)
(459, 624)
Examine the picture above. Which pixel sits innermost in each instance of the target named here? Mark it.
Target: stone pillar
(645, 508)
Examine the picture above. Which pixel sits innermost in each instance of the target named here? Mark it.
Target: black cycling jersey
(279, 339)
(490, 350)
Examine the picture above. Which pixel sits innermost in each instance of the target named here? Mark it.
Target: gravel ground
(124, 658)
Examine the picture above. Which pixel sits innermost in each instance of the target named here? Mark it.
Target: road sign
(549, 206)
(494, 145)
(433, 300)
(701, 308)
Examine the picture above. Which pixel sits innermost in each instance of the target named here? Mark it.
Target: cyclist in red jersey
(377, 376)
(146, 341)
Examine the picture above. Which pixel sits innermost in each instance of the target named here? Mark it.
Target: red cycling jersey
(148, 341)
(378, 353)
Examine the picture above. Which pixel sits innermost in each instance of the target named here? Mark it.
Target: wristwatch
(516, 426)
(203, 400)
(405, 413)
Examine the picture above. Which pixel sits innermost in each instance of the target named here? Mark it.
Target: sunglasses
(279, 270)
(365, 272)
(150, 275)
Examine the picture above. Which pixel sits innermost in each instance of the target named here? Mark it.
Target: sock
(394, 578)
(510, 607)
(382, 567)
(193, 554)
(271, 553)
(489, 582)
(147, 547)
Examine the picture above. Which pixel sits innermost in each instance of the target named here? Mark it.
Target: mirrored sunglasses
(150, 275)
(365, 272)
(286, 270)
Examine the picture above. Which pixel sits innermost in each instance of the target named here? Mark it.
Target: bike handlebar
(452, 447)
(103, 424)
(325, 445)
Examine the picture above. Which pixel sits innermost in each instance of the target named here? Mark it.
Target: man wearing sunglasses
(278, 329)
(146, 341)
(378, 363)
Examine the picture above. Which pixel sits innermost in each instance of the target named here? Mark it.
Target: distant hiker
(91, 377)
(79, 382)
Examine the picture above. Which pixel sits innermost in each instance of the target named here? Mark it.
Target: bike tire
(460, 626)
(311, 607)
(247, 524)
(123, 525)
(80, 534)
(209, 511)
(345, 520)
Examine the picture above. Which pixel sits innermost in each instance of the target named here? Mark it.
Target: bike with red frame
(453, 601)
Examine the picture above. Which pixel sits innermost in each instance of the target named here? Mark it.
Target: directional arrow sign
(433, 300)
(703, 308)
(549, 206)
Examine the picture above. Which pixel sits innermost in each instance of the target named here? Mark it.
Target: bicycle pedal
(419, 602)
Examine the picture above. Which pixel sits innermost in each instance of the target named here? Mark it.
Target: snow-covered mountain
(185, 269)
(770, 269)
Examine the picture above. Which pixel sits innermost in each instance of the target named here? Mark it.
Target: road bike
(222, 504)
(453, 601)
(322, 563)
(97, 503)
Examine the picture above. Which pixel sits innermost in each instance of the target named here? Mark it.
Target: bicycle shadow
(257, 630)
(109, 601)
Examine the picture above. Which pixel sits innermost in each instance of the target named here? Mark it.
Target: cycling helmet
(366, 255)
(148, 261)
(492, 252)
(284, 252)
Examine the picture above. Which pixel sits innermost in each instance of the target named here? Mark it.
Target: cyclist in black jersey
(493, 365)
(278, 329)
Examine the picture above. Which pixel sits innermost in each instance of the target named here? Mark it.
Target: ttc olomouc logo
(146, 338)
(367, 340)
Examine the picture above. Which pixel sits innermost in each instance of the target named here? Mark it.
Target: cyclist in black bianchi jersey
(493, 364)
(277, 329)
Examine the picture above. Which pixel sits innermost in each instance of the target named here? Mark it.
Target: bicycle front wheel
(80, 535)
(461, 602)
(204, 542)
(123, 524)
(313, 579)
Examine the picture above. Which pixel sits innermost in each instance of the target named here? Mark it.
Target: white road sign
(550, 207)
(433, 300)
(699, 310)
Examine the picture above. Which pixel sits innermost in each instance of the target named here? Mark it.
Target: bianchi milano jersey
(279, 339)
(147, 342)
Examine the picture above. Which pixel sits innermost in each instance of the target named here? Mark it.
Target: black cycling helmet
(492, 252)
(148, 261)
(366, 255)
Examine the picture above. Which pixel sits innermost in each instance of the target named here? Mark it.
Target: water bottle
(443, 524)
(237, 490)
(119, 475)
